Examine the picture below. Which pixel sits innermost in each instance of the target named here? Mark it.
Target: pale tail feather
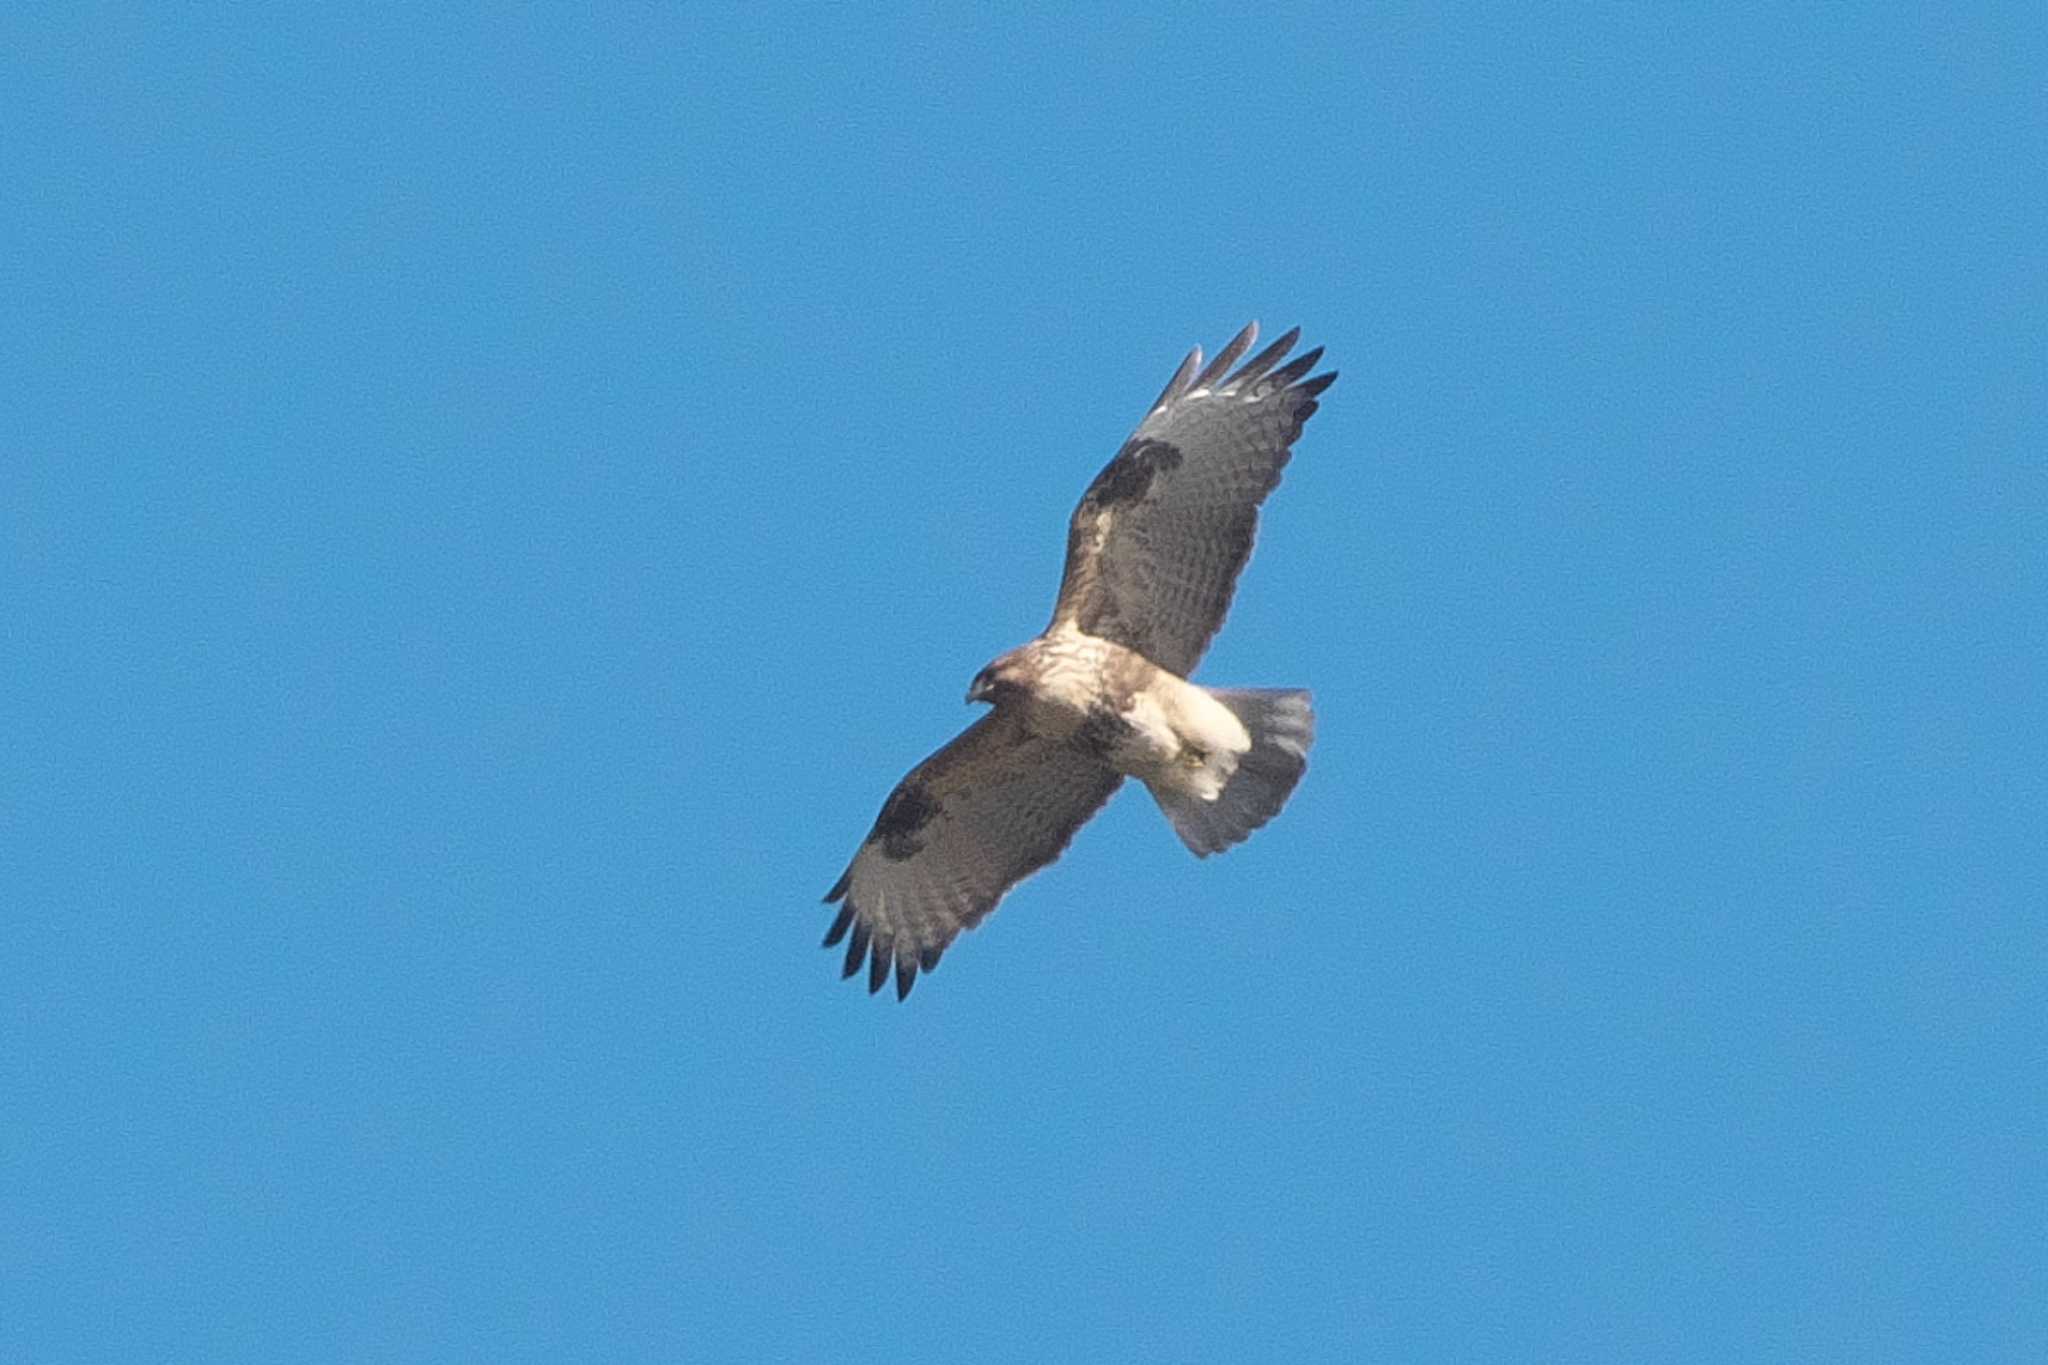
(1282, 727)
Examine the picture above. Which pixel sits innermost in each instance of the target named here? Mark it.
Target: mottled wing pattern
(966, 825)
(1155, 547)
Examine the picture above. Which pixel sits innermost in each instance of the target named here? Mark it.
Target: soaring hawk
(1153, 554)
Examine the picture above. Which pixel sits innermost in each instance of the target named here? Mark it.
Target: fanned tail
(1282, 726)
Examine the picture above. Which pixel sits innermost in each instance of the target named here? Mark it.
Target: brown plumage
(1153, 554)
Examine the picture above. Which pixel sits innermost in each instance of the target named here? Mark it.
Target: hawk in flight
(1153, 554)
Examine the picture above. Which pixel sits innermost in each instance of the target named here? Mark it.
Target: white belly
(1182, 738)
(1142, 720)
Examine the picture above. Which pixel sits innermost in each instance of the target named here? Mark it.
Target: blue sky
(490, 502)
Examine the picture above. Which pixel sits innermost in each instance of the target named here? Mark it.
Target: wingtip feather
(1228, 356)
(856, 949)
(1178, 385)
(1252, 370)
(1294, 369)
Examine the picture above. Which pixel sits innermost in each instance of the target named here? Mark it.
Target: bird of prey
(1153, 554)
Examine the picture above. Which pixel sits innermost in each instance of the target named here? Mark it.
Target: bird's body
(1153, 554)
(1140, 720)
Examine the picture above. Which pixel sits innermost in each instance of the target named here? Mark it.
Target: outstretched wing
(966, 825)
(1155, 547)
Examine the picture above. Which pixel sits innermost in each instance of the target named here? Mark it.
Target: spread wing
(1155, 547)
(966, 825)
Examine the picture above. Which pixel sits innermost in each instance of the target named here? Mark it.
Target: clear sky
(491, 500)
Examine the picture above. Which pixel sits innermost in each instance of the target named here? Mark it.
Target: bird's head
(995, 682)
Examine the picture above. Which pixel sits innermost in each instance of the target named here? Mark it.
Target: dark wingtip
(906, 977)
(839, 887)
(855, 950)
(1253, 370)
(1314, 386)
(878, 969)
(839, 926)
(1294, 369)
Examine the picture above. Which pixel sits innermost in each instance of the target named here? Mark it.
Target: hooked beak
(981, 691)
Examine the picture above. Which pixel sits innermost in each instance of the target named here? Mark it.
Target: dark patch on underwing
(908, 810)
(1129, 476)
(1124, 480)
(1102, 731)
